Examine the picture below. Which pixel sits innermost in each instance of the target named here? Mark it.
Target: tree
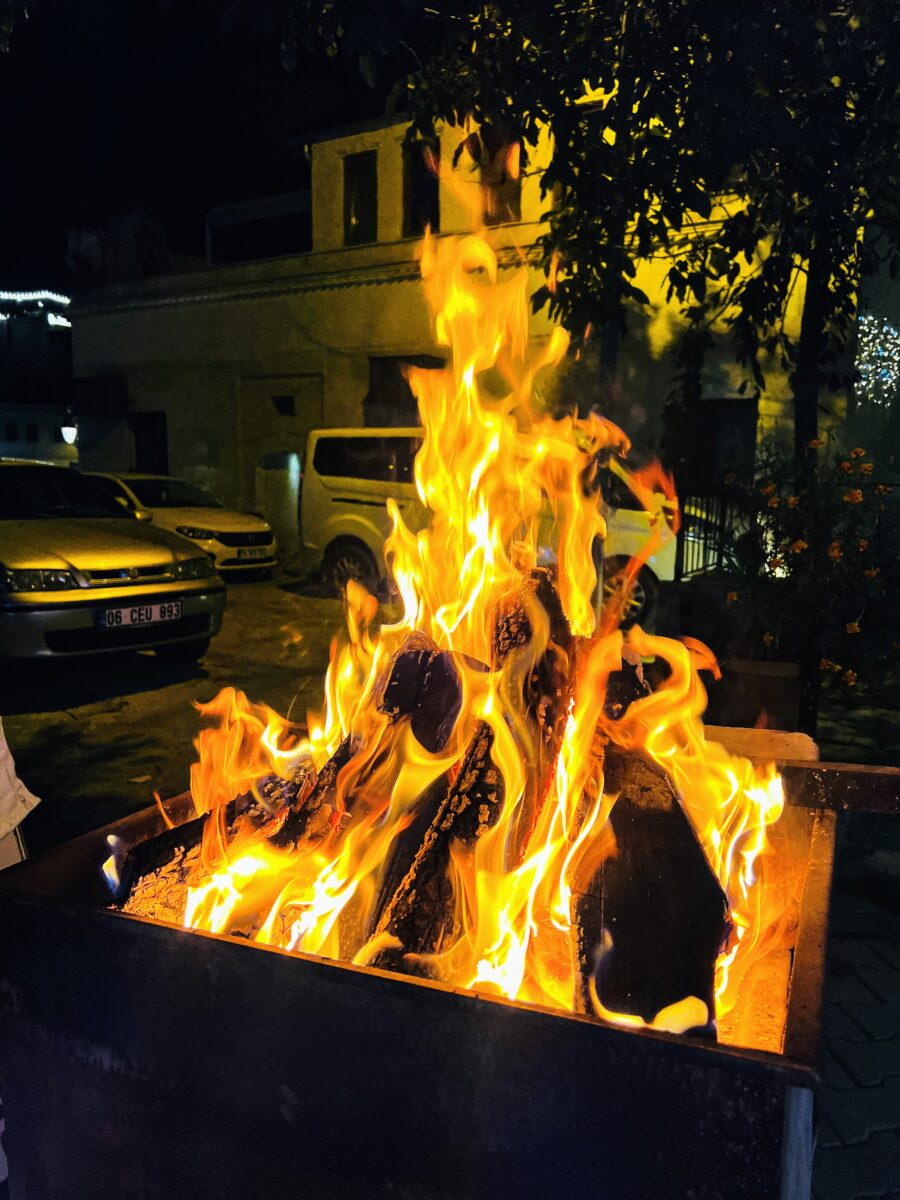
(660, 110)
(657, 109)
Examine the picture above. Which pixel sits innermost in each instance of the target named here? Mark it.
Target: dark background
(106, 105)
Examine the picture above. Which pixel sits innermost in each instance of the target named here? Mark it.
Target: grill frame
(275, 1067)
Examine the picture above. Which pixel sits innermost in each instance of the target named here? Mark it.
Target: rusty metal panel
(141, 1061)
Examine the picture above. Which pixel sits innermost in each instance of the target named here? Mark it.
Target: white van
(348, 475)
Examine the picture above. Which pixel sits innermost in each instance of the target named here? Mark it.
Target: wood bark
(419, 911)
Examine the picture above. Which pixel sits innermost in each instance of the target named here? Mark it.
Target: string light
(54, 319)
(878, 360)
(34, 297)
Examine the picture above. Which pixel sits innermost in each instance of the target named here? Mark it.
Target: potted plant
(801, 569)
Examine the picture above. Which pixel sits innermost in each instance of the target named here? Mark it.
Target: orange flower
(862, 545)
(881, 489)
(846, 465)
(867, 468)
(768, 638)
(854, 496)
(774, 502)
(857, 452)
(775, 563)
(849, 678)
(835, 551)
(731, 597)
(793, 501)
(825, 664)
(816, 444)
(871, 572)
(767, 489)
(799, 546)
(852, 627)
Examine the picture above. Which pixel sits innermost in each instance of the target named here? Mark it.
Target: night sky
(110, 104)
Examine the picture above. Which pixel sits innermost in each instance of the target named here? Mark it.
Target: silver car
(79, 575)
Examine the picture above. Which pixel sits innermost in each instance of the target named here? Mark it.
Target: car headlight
(195, 568)
(37, 581)
(192, 531)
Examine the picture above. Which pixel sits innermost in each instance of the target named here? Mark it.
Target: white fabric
(16, 802)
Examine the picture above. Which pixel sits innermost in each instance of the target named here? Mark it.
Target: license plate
(256, 552)
(139, 614)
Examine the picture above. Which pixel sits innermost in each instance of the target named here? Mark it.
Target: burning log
(157, 873)
(310, 816)
(418, 912)
(656, 898)
(423, 684)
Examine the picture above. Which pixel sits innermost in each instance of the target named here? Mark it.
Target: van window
(385, 459)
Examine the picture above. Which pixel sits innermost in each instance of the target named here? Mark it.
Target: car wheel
(639, 606)
(346, 560)
(191, 651)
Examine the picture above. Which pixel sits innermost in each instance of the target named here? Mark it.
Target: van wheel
(346, 560)
(639, 606)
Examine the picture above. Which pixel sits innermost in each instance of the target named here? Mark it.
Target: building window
(421, 192)
(285, 406)
(12, 431)
(501, 181)
(360, 198)
(31, 433)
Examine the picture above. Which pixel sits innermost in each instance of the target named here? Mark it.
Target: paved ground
(858, 1152)
(96, 741)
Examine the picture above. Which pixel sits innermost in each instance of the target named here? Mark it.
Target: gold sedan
(78, 575)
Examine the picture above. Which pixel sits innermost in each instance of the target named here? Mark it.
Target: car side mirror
(141, 514)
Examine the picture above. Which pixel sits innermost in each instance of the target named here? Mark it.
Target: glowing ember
(496, 473)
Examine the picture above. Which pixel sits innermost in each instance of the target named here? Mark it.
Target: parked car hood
(221, 520)
(87, 543)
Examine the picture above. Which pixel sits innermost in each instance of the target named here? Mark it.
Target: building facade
(222, 370)
(35, 370)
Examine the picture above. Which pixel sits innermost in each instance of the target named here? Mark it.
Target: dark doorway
(151, 442)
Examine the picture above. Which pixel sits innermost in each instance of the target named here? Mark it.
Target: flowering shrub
(803, 557)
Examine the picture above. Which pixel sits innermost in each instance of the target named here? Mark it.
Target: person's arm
(16, 802)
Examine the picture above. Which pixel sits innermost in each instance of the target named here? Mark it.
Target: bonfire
(489, 759)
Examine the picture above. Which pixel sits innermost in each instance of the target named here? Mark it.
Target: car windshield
(170, 493)
(29, 492)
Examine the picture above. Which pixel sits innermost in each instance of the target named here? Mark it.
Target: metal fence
(707, 529)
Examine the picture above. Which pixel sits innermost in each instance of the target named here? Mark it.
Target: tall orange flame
(500, 479)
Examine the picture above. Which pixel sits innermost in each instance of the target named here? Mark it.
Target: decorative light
(34, 297)
(69, 428)
(878, 360)
(54, 319)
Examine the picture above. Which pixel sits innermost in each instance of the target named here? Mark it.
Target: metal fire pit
(141, 1060)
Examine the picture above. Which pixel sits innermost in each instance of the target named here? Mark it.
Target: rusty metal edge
(846, 787)
(57, 879)
(803, 1028)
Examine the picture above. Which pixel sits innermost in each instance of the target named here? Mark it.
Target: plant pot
(756, 694)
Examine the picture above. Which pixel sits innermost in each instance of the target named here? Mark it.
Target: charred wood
(657, 898)
(419, 911)
(423, 685)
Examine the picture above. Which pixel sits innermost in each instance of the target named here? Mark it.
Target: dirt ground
(95, 738)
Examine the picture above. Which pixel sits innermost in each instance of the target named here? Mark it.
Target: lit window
(360, 198)
(500, 178)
